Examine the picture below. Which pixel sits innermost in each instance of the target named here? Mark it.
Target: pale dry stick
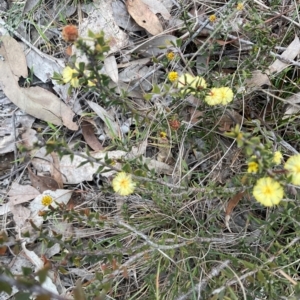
(285, 60)
(186, 64)
(289, 278)
(271, 259)
(152, 244)
(279, 98)
(195, 34)
(198, 288)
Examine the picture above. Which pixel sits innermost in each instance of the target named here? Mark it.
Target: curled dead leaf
(232, 203)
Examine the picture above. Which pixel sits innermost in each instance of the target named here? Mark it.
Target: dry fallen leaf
(44, 105)
(164, 150)
(133, 72)
(142, 14)
(71, 173)
(293, 107)
(20, 215)
(44, 66)
(233, 202)
(21, 193)
(36, 101)
(111, 68)
(55, 171)
(89, 135)
(42, 183)
(257, 80)
(122, 18)
(8, 137)
(156, 7)
(290, 53)
(29, 138)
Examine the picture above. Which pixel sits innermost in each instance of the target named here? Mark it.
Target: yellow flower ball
(170, 55)
(163, 134)
(253, 167)
(226, 95)
(292, 165)
(123, 184)
(47, 200)
(268, 191)
(69, 75)
(188, 83)
(212, 18)
(240, 6)
(213, 97)
(173, 76)
(222, 95)
(277, 157)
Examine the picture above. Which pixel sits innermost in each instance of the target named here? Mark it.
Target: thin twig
(286, 60)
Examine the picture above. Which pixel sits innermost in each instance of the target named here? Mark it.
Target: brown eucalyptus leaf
(55, 170)
(232, 203)
(35, 101)
(157, 7)
(44, 105)
(89, 136)
(14, 57)
(42, 183)
(141, 13)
